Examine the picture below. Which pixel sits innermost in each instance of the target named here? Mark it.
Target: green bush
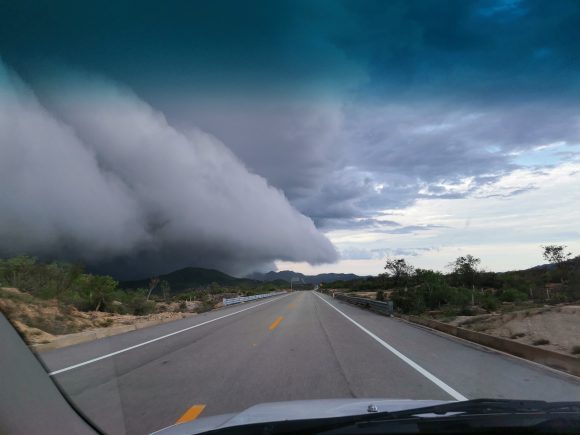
(138, 304)
(43, 280)
(489, 303)
(466, 311)
(512, 295)
(75, 299)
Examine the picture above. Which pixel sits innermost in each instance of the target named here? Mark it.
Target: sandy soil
(559, 325)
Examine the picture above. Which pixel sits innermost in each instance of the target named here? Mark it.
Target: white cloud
(504, 223)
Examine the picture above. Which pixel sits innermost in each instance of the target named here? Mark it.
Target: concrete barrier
(555, 360)
(381, 307)
(242, 299)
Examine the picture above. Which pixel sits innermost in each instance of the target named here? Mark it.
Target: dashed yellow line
(276, 323)
(191, 414)
(292, 305)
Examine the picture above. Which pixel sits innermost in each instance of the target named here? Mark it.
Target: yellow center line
(191, 414)
(276, 323)
(292, 305)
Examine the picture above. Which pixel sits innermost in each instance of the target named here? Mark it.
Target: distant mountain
(193, 277)
(288, 275)
(571, 264)
(196, 277)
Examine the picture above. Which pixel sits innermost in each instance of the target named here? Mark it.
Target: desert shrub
(409, 302)
(76, 299)
(540, 342)
(466, 311)
(138, 305)
(512, 295)
(489, 303)
(106, 322)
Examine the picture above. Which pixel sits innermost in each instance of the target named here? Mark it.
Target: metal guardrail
(242, 299)
(381, 307)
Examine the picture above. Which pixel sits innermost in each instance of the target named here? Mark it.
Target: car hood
(295, 410)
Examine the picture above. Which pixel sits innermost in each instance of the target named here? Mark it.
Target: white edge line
(66, 369)
(453, 393)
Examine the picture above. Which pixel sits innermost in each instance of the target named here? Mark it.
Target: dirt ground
(42, 321)
(555, 328)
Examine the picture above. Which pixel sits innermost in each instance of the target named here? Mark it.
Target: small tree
(434, 286)
(165, 289)
(16, 271)
(466, 268)
(214, 288)
(557, 255)
(101, 290)
(398, 269)
(152, 284)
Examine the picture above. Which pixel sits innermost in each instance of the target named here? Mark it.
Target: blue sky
(406, 128)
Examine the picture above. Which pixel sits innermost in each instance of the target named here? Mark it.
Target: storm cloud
(350, 109)
(91, 172)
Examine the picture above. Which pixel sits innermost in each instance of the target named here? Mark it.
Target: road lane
(191, 414)
(474, 370)
(452, 392)
(313, 352)
(276, 322)
(64, 359)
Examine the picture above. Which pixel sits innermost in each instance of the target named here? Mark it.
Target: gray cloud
(402, 152)
(410, 229)
(294, 144)
(364, 223)
(91, 172)
(349, 108)
(375, 254)
(340, 163)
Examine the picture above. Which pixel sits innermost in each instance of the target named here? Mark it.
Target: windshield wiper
(455, 417)
(490, 406)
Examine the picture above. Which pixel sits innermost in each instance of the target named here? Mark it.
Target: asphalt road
(298, 346)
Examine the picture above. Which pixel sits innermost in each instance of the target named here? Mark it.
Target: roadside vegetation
(468, 289)
(538, 306)
(45, 299)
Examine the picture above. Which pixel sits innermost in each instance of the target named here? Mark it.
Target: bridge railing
(242, 299)
(382, 307)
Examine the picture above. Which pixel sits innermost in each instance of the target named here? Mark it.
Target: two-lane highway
(303, 345)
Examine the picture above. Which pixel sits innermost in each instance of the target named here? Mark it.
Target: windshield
(209, 206)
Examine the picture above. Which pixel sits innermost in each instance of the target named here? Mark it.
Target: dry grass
(40, 321)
